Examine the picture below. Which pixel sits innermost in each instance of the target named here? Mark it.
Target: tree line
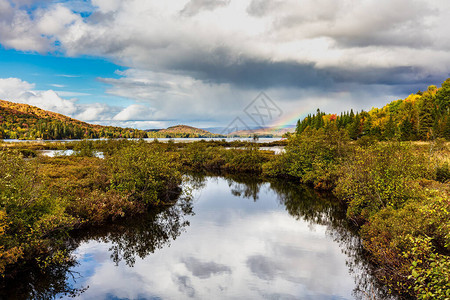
(421, 116)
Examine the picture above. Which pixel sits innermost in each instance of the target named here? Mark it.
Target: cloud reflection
(204, 269)
(264, 254)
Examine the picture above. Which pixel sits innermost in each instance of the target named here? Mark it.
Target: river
(237, 238)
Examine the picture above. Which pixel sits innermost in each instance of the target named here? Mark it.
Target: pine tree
(426, 119)
(355, 127)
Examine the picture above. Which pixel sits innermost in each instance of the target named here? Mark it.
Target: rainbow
(290, 119)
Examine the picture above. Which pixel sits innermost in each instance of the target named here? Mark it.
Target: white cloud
(135, 124)
(68, 75)
(54, 21)
(16, 90)
(135, 112)
(193, 7)
(11, 88)
(94, 112)
(174, 96)
(71, 94)
(19, 91)
(19, 31)
(106, 6)
(136, 38)
(151, 34)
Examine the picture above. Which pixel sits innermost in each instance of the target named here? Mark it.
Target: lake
(237, 238)
(165, 140)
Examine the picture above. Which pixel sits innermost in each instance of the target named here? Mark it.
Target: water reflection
(308, 205)
(232, 248)
(37, 285)
(127, 239)
(245, 187)
(140, 236)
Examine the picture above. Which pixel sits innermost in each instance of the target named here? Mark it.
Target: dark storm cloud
(256, 74)
(137, 85)
(381, 76)
(263, 74)
(398, 39)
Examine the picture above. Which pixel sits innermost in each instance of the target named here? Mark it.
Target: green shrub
(430, 271)
(314, 156)
(146, 172)
(443, 172)
(98, 206)
(28, 153)
(276, 167)
(366, 141)
(249, 159)
(31, 216)
(389, 234)
(380, 176)
(204, 156)
(84, 148)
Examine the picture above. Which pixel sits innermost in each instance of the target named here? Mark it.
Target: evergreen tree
(406, 130)
(426, 119)
(355, 127)
(443, 98)
(389, 131)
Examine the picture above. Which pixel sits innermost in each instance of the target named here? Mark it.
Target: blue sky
(152, 64)
(69, 75)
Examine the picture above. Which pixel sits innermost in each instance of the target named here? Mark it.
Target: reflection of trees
(142, 235)
(245, 187)
(129, 238)
(35, 284)
(195, 181)
(240, 186)
(306, 204)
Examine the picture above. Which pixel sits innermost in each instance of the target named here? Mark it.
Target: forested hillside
(22, 121)
(421, 116)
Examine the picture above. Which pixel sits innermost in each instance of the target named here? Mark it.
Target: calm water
(183, 140)
(55, 153)
(235, 239)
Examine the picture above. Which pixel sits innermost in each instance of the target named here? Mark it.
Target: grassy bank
(43, 198)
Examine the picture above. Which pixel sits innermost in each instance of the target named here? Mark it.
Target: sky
(206, 63)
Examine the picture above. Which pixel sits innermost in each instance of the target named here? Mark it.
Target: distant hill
(182, 131)
(23, 121)
(185, 129)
